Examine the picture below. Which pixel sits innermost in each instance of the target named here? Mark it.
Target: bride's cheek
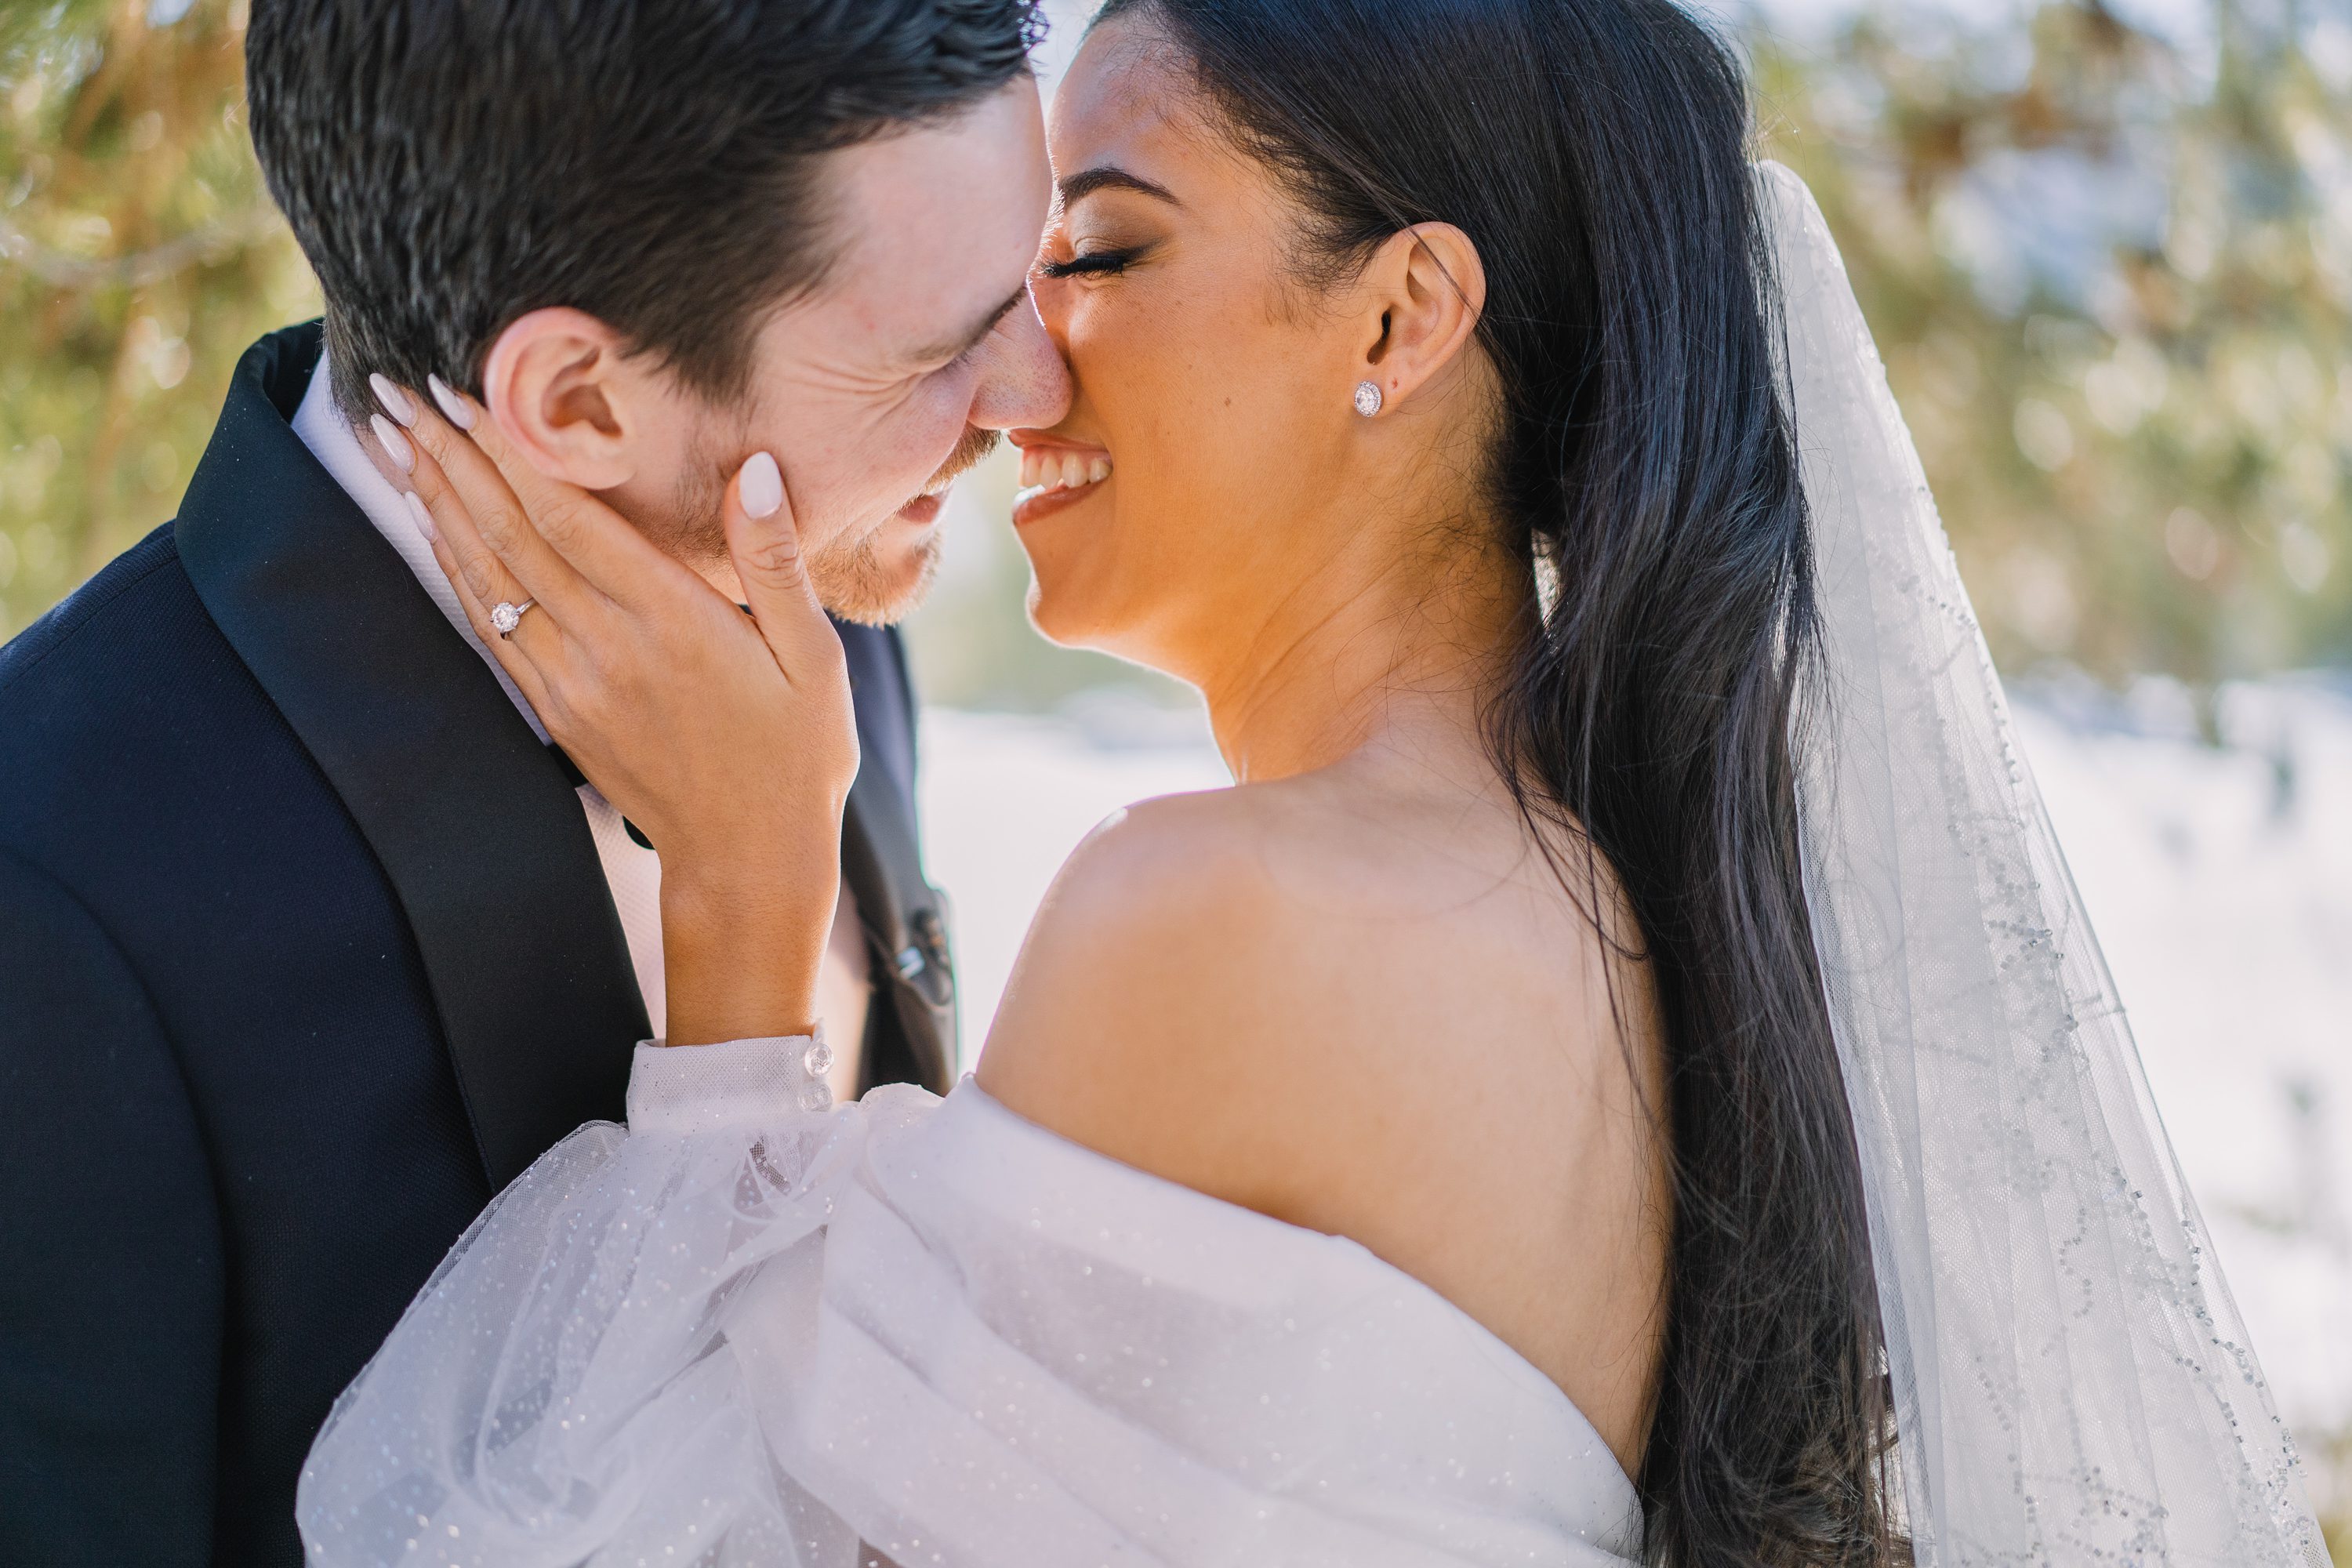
(1109, 344)
(1092, 316)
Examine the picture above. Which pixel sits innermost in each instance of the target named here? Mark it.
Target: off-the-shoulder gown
(754, 1328)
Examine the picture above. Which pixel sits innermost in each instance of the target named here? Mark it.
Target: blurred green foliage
(2140, 448)
(139, 255)
(2139, 431)
(2111, 275)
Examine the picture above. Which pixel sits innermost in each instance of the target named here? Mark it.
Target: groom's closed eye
(950, 350)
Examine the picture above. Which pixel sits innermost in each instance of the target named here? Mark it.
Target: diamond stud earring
(1368, 398)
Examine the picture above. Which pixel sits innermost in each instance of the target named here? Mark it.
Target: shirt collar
(319, 424)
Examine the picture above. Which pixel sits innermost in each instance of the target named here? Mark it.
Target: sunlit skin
(871, 389)
(1350, 993)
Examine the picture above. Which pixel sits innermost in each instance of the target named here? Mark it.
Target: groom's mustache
(968, 453)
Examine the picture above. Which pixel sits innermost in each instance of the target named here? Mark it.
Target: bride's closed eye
(1100, 263)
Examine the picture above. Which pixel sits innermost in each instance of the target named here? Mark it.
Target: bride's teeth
(1044, 472)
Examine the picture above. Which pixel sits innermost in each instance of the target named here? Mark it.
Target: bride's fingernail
(421, 515)
(395, 445)
(451, 406)
(396, 401)
(762, 487)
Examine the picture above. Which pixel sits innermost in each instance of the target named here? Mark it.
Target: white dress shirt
(632, 871)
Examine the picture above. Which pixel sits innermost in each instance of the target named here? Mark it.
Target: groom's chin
(883, 577)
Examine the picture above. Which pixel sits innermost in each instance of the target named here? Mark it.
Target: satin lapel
(912, 977)
(882, 860)
(472, 819)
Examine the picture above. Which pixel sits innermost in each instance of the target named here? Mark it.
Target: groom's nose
(1023, 382)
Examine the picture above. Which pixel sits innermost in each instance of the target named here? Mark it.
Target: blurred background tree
(2110, 268)
(2111, 272)
(139, 255)
(2106, 252)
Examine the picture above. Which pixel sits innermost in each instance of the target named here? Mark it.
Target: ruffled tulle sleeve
(562, 1391)
(751, 1329)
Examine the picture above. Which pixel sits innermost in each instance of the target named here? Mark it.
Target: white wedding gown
(747, 1331)
(754, 1331)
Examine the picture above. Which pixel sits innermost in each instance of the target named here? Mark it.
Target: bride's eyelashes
(1100, 263)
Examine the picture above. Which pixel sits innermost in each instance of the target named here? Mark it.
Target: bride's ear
(1427, 289)
(560, 388)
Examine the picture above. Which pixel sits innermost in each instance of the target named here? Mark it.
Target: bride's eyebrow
(1111, 177)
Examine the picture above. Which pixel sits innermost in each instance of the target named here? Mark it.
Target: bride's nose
(1023, 380)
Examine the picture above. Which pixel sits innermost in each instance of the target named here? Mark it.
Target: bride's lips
(1055, 475)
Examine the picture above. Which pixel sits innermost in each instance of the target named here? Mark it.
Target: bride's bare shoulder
(1148, 983)
(1236, 989)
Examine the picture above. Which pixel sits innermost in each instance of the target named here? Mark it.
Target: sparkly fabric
(745, 1334)
(751, 1333)
(2073, 1382)
(690, 1090)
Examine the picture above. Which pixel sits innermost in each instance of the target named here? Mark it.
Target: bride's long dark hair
(1596, 152)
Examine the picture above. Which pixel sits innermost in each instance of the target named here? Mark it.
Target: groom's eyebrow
(1111, 177)
(954, 348)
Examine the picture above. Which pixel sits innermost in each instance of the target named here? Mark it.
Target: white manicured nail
(451, 406)
(762, 487)
(395, 445)
(421, 516)
(396, 401)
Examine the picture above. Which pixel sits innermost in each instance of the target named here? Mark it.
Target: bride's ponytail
(1596, 152)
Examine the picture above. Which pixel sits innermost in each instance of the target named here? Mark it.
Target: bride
(1623, 1076)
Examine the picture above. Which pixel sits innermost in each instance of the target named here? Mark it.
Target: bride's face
(1209, 384)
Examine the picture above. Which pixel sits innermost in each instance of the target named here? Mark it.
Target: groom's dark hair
(448, 165)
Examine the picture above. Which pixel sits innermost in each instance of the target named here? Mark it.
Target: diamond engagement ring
(506, 616)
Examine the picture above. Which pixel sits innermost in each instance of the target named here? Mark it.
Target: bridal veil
(751, 1330)
(2072, 1381)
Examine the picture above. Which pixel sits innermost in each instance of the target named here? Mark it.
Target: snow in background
(2219, 877)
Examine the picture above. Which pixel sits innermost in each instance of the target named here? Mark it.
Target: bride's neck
(1398, 647)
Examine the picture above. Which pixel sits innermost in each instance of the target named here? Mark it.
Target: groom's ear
(564, 392)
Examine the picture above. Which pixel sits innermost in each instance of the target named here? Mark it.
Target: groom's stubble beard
(851, 579)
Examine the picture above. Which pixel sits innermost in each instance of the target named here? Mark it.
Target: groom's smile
(892, 370)
(898, 371)
(969, 454)
(881, 573)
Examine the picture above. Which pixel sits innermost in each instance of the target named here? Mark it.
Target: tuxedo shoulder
(121, 612)
(114, 702)
(53, 947)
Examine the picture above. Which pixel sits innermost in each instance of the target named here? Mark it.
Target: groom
(309, 941)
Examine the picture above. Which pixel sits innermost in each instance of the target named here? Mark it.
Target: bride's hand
(728, 740)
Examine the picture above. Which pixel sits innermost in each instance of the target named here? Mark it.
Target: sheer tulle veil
(2072, 1381)
(748, 1330)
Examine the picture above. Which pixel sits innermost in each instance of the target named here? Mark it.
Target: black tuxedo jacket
(305, 952)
